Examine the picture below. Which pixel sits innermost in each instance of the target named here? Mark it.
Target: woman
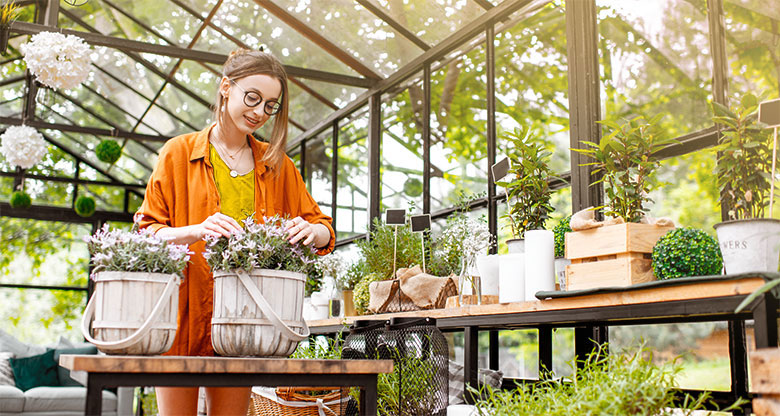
(206, 182)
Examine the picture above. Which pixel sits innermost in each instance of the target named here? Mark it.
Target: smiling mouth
(251, 121)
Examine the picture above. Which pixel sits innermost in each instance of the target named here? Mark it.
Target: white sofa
(50, 400)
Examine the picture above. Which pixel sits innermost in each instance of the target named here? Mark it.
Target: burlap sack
(412, 290)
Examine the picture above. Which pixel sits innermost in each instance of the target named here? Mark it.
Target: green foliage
(9, 11)
(447, 248)
(20, 200)
(85, 206)
(528, 188)
(353, 275)
(317, 350)
(378, 250)
(684, 252)
(108, 151)
(560, 231)
(607, 384)
(361, 294)
(625, 159)
(408, 389)
(314, 277)
(745, 161)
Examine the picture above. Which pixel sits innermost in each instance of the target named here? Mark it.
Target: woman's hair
(243, 63)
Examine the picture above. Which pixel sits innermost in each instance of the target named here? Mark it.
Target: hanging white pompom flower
(57, 60)
(22, 146)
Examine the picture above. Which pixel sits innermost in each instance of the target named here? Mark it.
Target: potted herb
(625, 159)
(347, 282)
(8, 13)
(748, 241)
(132, 265)
(528, 190)
(259, 280)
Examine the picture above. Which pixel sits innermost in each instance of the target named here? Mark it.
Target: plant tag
(421, 223)
(395, 217)
(500, 169)
(769, 113)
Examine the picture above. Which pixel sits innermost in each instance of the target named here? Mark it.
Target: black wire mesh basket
(418, 385)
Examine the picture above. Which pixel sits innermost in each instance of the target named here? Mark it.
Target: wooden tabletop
(203, 365)
(699, 290)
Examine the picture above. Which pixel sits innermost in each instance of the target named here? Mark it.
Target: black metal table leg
(368, 397)
(494, 344)
(738, 363)
(545, 351)
(765, 316)
(471, 361)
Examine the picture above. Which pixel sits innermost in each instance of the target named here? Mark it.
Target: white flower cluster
(473, 236)
(22, 146)
(57, 60)
(136, 251)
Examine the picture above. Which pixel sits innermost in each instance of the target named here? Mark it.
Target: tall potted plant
(528, 186)
(616, 255)
(8, 13)
(748, 241)
(259, 280)
(128, 266)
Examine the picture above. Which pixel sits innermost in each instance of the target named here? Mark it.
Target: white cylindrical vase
(540, 262)
(511, 282)
(488, 272)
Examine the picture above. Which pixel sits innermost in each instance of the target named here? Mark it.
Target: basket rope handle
(269, 312)
(86, 320)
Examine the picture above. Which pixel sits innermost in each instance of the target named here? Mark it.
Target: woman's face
(262, 90)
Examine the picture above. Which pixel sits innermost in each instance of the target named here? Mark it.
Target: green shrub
(361, 295)
(353, 275)
(108, 151)
(607, 384)
(20, 200)
(686, 252)
(85, 206)
(378, 250)
(560, 231)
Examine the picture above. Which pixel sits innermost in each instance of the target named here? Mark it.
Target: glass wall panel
(352, 192)
(319, 179)
(655, 59)
(753, 46)
(401, 148)
(458, 128)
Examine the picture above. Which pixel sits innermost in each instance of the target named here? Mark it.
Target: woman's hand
(216, 225)
(299, 229)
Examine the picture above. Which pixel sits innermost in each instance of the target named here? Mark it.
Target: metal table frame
(591, 328)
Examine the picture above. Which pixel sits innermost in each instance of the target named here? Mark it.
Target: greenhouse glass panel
(532, 84)
(319, 179)
(356, 31)
(753, 47)
(458, 129)
(12, 99)
(339, 95)
(305, 109)
(120, 67)
(431, 21)
(185, 107)
(107, 198)
(655, 59)
(402, 150)
(255, 27)
(352, 191)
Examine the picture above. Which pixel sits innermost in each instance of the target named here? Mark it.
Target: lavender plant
(260, 246)
(135, 251)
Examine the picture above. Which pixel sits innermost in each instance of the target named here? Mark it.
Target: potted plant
(346, 282)
(748, 241)
(8, 13)
(561, 261)
(616, 255)
(128, 266)
(528, 190)
(463, 240)
(259, 280)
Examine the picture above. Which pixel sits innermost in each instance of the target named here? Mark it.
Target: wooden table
(591, 315)
(113, 371)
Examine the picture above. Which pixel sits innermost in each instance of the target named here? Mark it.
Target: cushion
(63, 399)
(6, 373)
(11, 400)
(20, 350)
(63, 374)
(38, 370)
(485, 376)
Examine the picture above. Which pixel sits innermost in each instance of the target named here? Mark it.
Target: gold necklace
(233, 172)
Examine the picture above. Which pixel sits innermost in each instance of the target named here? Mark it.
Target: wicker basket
(293, 401)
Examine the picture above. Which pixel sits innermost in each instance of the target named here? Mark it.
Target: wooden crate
(615, 255)
(765, 374)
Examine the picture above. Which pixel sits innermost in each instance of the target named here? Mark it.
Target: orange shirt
(181, 191)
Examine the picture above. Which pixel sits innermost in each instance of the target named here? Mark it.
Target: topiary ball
(559, 231)
(686, 252)
(85, 206)
(108, 151)
(20, 200)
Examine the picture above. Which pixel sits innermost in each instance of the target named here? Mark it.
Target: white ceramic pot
(749, 245)
(511, 278)
(488, 273)
(516, 245)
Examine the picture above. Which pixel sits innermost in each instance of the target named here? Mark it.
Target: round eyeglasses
(253, 99)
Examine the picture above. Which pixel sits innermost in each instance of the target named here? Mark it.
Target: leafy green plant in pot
(8, 13)
(528, 186)
(749, 242)
(559, 232)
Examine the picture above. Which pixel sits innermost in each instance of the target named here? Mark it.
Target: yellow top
(236, 195)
